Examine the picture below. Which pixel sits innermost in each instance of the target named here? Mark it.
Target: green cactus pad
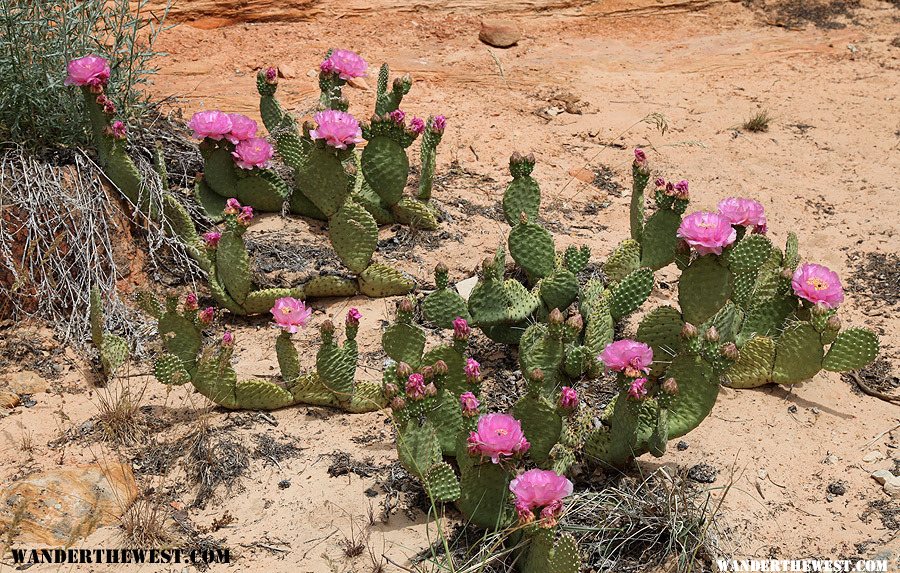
(792, 252)
(630, 293)
(219, 171)
(749, 253)
(418, 447)
(578, 361)
(599, 330)
(661, 330)
(322, 180)
(363, 194)
(264, 190)
(180, 337)
(548, 556)
(592, 295)
(495, 303)
(212, 203)
(575, 259)
(660, 240)
(122, 171)
(447, 420)
(704, 288)
(336, 367)
(96, 316)
(455, 380)
(262, 301)
(660, 436)
(505, 334)
(222, 297)
(798, 354)
(624, 260)
(441, 484)
(354, 235)
(261, 395)
(853, 349)
(754, 365)
(300, 205)
(415, 213)
(484, 493)
(559, 289)
(233, 266)
(540, 350)
(113, 353)
(768, 279)
(367, 397)
(288, 359)
(309, 389)
(726, 321)
(386, 168)
(380, 280)
(523, 195)
(169, 370)
(443, 306)
(767, 319)
(744, 287)
(542, 426)
(531, 246)
(404, 343)
(324, 286)
(698, 388)
(215, 379)
(427, 153)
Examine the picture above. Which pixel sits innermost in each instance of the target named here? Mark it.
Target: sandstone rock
(881, 476)
(8, 399)
(500, 33)
(875, 456)
(892, 487)
(59, 506)
(286, 71)
(465, 286)
(583, 175)
(27, 382)
(358, 83)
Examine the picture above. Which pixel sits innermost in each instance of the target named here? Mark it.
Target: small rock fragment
(892, 487)
(286, 71)
(703, 473)
(837, 488)
(681, 445)
(875, 456)
(499, 33)
(881, 476)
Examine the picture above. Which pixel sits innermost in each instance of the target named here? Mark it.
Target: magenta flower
(242, 127)
(627, 356)
(660, 182)
(415, 386)
(207, 315)
(337, 128)
(473, 369)
(461, 328)
(744, 212)
(637, 390)
(210, 124)
(271, 75)
(417, 125)
(290, 314)
(469, 404)
(568, 398)
(439, 124)
(818, 285)
(211, 238)
(87, 71)
(353, 317)
(246, 215)
(536, 489)
(117, 129)
(190, 301)
(345, 64)
(227, 338)
(640, 158)
(398, 115)
(253, 152)
(232, 207)
(708, 233)
(498, 435)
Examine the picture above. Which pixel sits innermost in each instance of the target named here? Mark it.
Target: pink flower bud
(637, 391)
(473, 370)
(190, 302)
(689, 330)
(390, 390)
(397, 116)
(730, 351)
(227, 338)
(568, 398)
(415, 387)
(417, 125)
(660, 182)
(431, 390)
(575, 322)
(469, 404)
(246, 215)
(405, 306)
(556, 317)
(712, 334)
(670, 386)
(211, 238)
(404, 370)
(439, 124)
(271, 75)
(440, 368)
(461, 328)
(117, 129)
(232, 207)
(353, 318)
(207, 315)
(398, 403)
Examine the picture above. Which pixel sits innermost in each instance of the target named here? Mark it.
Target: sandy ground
(827, 168)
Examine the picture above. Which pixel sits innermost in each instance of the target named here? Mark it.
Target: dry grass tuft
(144, 525)
(758, 122)
(120, 414)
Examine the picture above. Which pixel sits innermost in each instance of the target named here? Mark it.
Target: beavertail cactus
(113, 349)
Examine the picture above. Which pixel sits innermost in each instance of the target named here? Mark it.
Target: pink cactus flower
(640, 158)
(469, 404)
(417, 125)
(498, 435)
(345, 64)
(398, 115)
(353, 317)
(817, 284)
(252, 153)
(245, 216)
(568, 398)
(232, 207)
(211, 238)
(660, 182)
(415, 386)
(438, 124)
(242, 127)
(118, 129)
(472, 369)
(536, 489)
(290, 314)
(271, 75)
(207, 315)
(708, 233)
(212, 124)
(627, 356)
(461, 328)
(744, 212)
(190, 302)
(87, 71)
(337, 128)
(637, 391)
(227, 338)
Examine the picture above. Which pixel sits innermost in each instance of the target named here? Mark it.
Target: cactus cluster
(113, 349)
(188, 357)
(353, 191)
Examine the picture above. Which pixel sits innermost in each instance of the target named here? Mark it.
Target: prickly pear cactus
(444, 305)
(113, 349)
(523, 195)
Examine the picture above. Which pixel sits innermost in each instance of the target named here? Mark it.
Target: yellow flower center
(817, 283)
(285, 310)
(706, 225)
(502, 432)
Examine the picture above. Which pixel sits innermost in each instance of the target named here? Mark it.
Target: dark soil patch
(877, 275)
(284, 259)
(878, 376)
(403, 492)
(493, 212)
(887, 510)
(268, 448)
(343, 464)
(214, 459)
(26, 349)
(703, 473)
(605, 180)
(825, 14)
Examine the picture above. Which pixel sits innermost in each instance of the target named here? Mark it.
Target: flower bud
(670, 386)
(469, 404)
(398, 403)
(833, 323)
(730, 351)
(689, 330)
(431, 389)
(227, 338)
(556, 317)
(473, 370)
(405, 306)
(660, 182)
(390, 390)
(190, 302)
(461, 328)
(353, 317)
(271, 75)
(327, 328)
(440, 368)
(575, 322)
(787, 274)
(712, 335)
(537, 375)
(404, 370)
(428, 372)
(207, 315)
(568, 398)
(819, 309)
